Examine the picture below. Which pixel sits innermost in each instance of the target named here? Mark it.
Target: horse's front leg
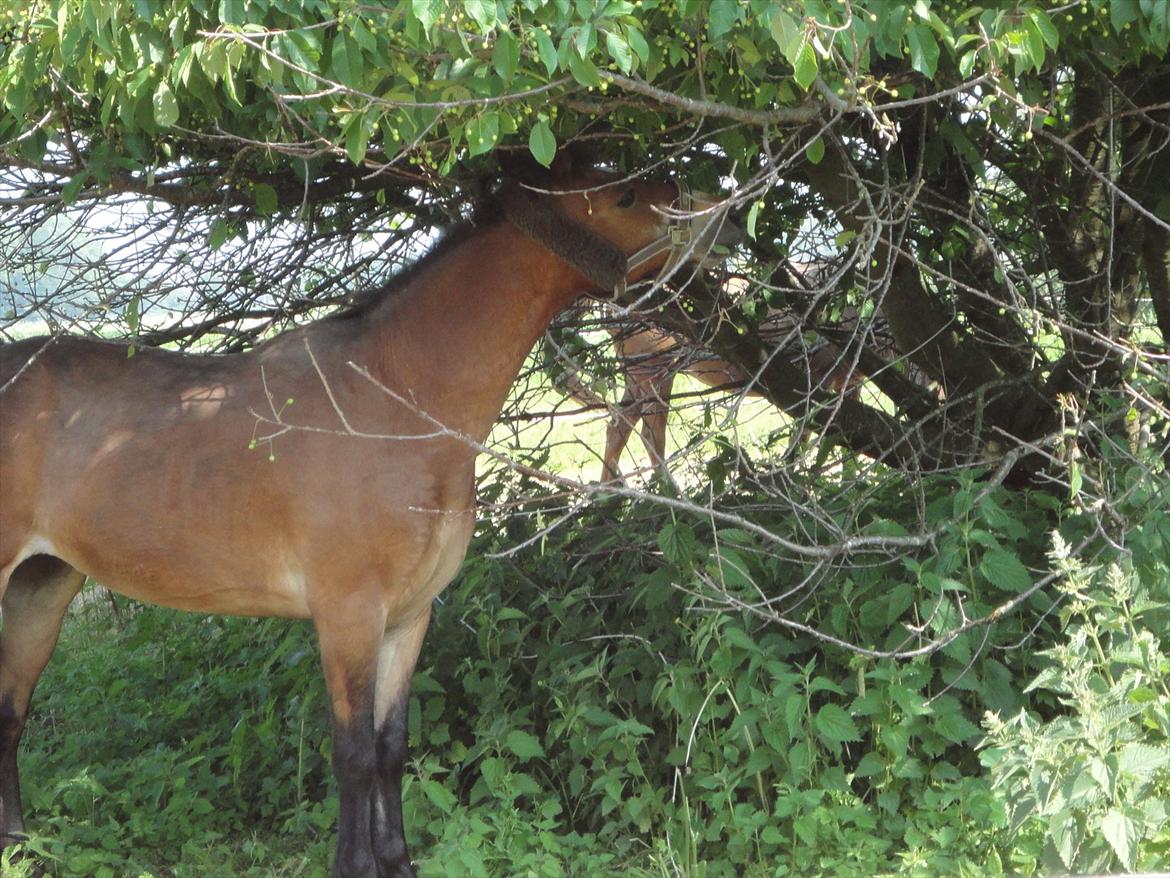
(351, 631)
(396, 660)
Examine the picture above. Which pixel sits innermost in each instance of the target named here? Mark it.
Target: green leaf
(523, 744)
(71, 190)
(752, 217)
(542, 143)
(220, 229)
(546, 50)
(1047, 29)
(266, 200)
(583, 70)
(483, 11)
(721, 17)
(815, 151)
(1122, 12)
(620, 51)
(1141, 761)
(677, 542)
(357, 135)
(345, 62)
(166, 108)
(133, 313)
(955, 727)
(232, 11)
(1122, 834)
(506, 55)
(441, 797)
(870, 764)
(483, 132)
(1005, 570)
(1035, 43)
(923, 49)
(1064, 828)
(785, 32)
(835, 726)
(804, 68)
(637, 43)
(427, 11)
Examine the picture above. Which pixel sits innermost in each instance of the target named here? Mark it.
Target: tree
(986, 181)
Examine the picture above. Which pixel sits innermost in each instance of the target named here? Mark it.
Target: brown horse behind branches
(188, 481)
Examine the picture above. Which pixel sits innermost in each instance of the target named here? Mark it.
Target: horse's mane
(599, 259)
(364, 301)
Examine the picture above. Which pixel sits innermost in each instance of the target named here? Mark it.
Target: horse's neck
(454, 339)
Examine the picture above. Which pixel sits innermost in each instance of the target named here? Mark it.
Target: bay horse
(192, 481)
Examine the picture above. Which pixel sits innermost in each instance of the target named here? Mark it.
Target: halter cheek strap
(679, 233)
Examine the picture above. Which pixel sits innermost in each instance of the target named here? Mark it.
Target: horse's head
(613, 228)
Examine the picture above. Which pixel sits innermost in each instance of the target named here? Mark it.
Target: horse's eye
(628, 198)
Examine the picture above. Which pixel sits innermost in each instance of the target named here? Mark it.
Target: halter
(679, 236)
(598, 258)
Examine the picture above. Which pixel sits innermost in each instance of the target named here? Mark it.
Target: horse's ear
(561, 168)
(517, 164)
(520, 165)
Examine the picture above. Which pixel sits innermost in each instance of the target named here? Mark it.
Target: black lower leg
(11, 725)
(354, 764)
(389, 836)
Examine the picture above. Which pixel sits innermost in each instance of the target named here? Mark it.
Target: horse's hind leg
(38, 594)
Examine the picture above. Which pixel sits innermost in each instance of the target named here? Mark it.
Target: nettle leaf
(677, 541)
(542, 143)
(524, 745)
(441, 797)
(1005, 571)
(835, 726)
(1122, 834)
(1141, 761)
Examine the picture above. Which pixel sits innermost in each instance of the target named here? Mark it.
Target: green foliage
(162, 736)
(445, 81)
(1089, 790)
(579, 710)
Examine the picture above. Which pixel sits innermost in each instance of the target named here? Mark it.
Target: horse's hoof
(400, 869)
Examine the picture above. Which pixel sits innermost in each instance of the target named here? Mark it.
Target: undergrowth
(584, 707)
